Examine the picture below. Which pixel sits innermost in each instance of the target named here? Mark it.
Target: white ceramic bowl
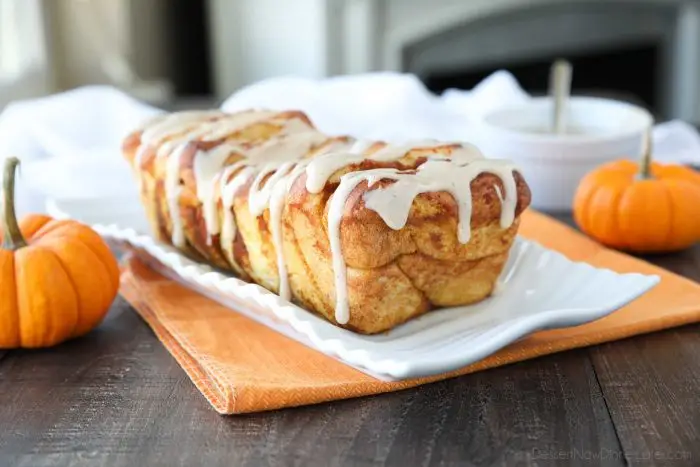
(600, 130)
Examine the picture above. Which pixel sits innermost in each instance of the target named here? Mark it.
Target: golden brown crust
(392, 275)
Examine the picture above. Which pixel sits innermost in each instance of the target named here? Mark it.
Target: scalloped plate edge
(222, 288)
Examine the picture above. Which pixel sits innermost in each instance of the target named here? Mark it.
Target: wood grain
(652, 386)
(686, 263)
(524, 414)
(117, 398)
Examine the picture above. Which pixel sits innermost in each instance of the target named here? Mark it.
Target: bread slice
(366, 234)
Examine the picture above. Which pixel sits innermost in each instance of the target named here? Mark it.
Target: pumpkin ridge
(671, 212)
(36, 294)
(51, 288)
(93, 242)
(589, 213)
(582, 200)
(615, 224)
(72, 229)
(641, 207)
(78, 304)
(617, 215)
(8, 294)
(90, 317)
(20, 336)
(52, 227)
(31, 224)
(604, 224)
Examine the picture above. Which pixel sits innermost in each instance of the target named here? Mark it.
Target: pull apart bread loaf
(368, 235)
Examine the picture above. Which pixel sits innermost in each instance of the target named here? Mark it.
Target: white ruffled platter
(538, 289)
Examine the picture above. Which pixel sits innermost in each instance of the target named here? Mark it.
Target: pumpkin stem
(12, 238)
(645, 166)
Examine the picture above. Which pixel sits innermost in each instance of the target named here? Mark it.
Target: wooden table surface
(117, 398)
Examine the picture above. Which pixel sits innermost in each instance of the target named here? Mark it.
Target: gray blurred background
(178, 52)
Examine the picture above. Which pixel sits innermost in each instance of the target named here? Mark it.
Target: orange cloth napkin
(242, 366)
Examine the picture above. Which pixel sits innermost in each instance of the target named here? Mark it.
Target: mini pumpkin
(644, 207)
(57, 277)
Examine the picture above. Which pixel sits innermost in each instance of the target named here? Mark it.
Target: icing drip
(207, 164)
(172, 194)
(277, 201)
(259, 196)
(151, 121)
(348, 182)
(228, 194)
(275, 164)
(235, 123)
(360, 146)
(276, 209)
(175, 124)
(178, 129)
(393, 203)
(288, 146)
(323, 167)
(140, 154)
(277, 153)
(207, 167)
(161, 128)
(279, 156)
(499, 194)
(138, 161)
(393, 152)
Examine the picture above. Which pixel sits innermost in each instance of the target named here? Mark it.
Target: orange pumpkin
(644, 207)
(57, 278)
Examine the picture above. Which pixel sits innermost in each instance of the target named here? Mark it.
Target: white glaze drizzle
(323, 167)
(171, 135)
(279, 161)
(228, 194)
(152, 121)
(360, 146)
(277, 202)
(172, 194)
(235, 123)
(396, 151)
(348, 182)
(272, 195)
(175, 124)
(138, 161)
(499, 193)
(393, 203)
(207, 166)
(157, 130)
(259, 195)
(277, 199)
(140, 154)
(278, 158)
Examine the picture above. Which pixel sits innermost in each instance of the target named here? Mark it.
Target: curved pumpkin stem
(645, 165)
(12, 238)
